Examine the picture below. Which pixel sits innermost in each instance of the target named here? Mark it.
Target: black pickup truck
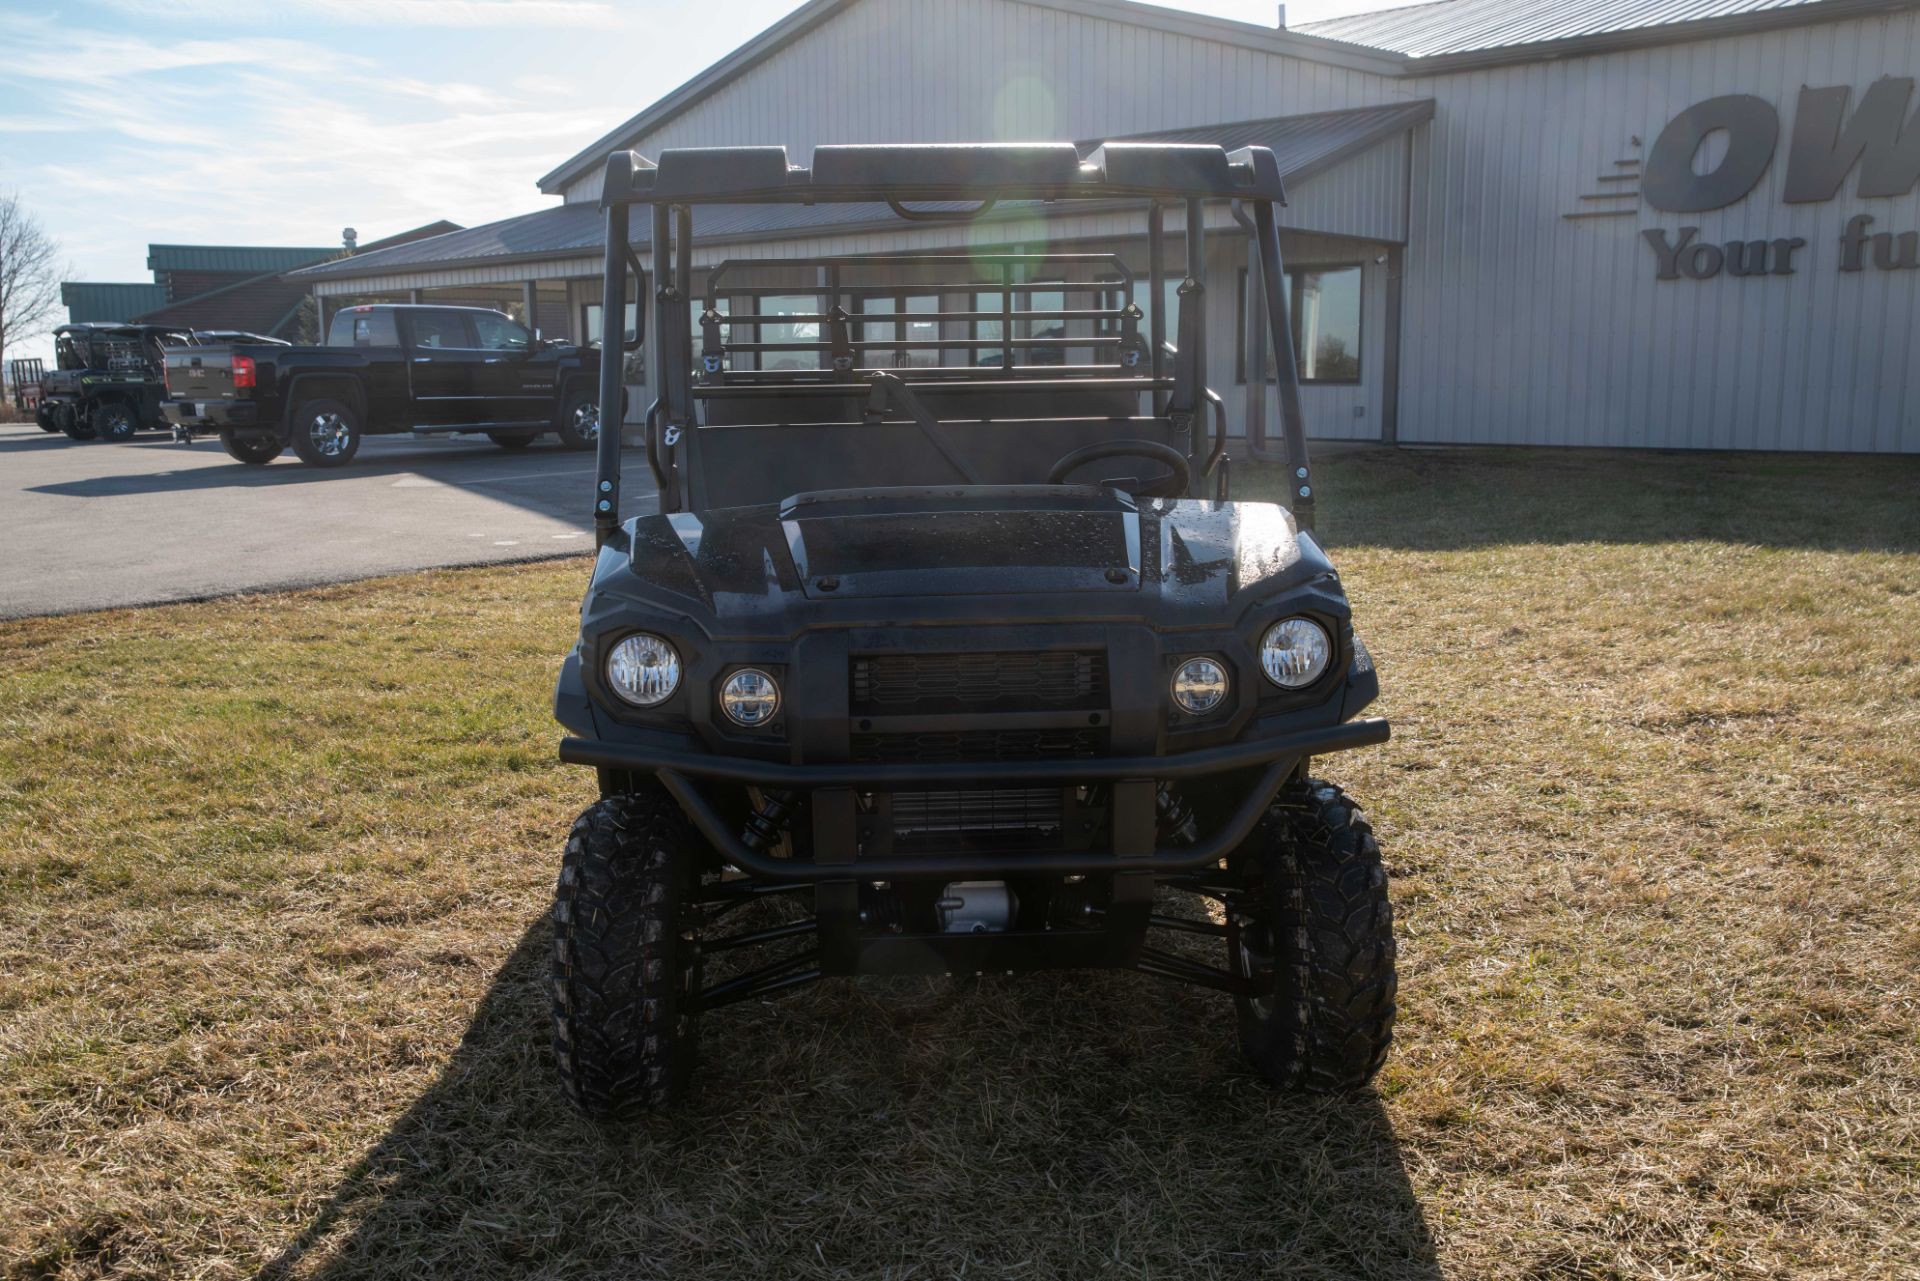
(387, 369)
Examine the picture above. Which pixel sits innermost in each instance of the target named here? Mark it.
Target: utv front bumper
(1135, 781)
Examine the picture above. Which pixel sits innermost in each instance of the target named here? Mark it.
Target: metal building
(1673, 223)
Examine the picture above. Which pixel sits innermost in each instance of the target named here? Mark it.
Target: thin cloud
(383, 13)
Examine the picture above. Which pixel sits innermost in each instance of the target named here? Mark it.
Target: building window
(925, 332)
(987, 332)
(861, 331)
(590, 322)
(1033, 296)
(804, 331)
(1050, 330)
(1323, 303)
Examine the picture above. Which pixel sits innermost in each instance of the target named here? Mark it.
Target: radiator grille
(1035, 809)
(933, 683)
(978, 745)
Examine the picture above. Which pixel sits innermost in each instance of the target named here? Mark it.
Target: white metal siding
(985, 70)
(1365, 195)
(1522, 327)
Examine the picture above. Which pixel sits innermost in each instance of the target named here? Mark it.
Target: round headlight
(750, 697)
(1200, 685)
(644, 670)
(1294, 652)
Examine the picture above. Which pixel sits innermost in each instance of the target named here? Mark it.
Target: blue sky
(282, 121)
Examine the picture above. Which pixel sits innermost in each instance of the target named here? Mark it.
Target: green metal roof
(109, 303)
(252, 260)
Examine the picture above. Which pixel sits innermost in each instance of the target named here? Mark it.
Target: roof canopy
(1302, 146)
(943, 171)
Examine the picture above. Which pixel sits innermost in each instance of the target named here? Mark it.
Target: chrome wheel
(586, 421)
(330, 434)
(115, 423)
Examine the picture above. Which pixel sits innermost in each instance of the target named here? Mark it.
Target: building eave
(378, 270)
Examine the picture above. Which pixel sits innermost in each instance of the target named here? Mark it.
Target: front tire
(625, 956)
(325, 433)
(44, 417)
(1315, 940)
(254, 451)
(512, 441)
(76, 427)
(579, 424)
(115, 421)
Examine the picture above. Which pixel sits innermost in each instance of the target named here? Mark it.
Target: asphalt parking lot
(97, 526)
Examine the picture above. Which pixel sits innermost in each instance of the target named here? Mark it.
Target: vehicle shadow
(201, 469)
(545, 478)
(1465, 498)
(19, 444)
(1039, 1126)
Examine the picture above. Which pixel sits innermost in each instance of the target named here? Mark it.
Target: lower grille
(932, 747)
(1034, 809)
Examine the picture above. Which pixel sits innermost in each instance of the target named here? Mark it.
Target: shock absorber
(768, 822)
(1176, 817)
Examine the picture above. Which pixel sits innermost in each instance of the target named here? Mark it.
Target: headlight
(1294, 652)
(750, 697)
(1200, 685)
(644, 670)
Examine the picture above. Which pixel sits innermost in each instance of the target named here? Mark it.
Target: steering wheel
(1173, 486)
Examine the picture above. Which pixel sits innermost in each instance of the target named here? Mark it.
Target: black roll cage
(976, 175)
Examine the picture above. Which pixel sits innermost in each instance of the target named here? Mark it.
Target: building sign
(1827, 144)
(1875, 140)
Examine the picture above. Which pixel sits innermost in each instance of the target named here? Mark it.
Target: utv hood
(1048, 543)
(961, 542)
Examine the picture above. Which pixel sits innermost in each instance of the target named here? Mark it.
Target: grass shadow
(1055, 1125)
(1460, 499)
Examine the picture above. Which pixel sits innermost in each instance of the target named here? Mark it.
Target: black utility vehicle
(948, 639)
(386, 369)
(106, 382)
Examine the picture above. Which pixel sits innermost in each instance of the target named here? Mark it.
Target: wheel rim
(115, 423)
(330, 434)
(586, 421)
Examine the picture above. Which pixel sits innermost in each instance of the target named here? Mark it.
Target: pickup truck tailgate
(200, 373)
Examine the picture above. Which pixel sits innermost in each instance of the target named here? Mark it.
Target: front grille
(886, 684)
(932, 746)
(1023, 809)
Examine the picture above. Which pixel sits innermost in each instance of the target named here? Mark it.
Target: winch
(976, 907)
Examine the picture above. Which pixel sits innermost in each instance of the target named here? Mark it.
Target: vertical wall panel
(1525, 327)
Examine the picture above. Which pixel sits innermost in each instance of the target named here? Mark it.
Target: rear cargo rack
(835, 328)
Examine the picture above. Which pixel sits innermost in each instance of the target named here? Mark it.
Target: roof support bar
(1285, 363)
(1190, 370)
(1157, 293)
(613, 350)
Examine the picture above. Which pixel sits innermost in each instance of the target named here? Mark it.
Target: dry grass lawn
(273, 874)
